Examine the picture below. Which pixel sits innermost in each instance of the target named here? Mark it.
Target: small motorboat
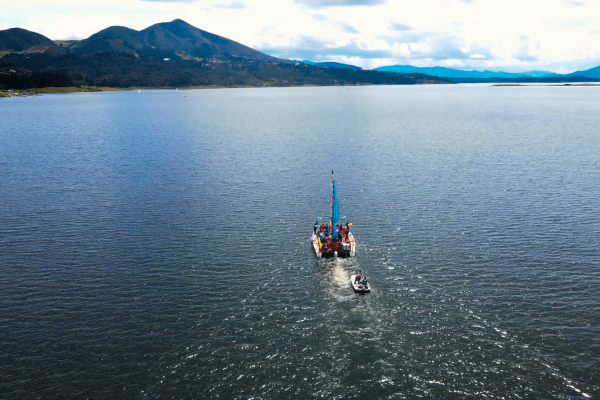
(359, 287)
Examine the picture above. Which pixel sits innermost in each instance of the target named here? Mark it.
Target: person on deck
(358, 276)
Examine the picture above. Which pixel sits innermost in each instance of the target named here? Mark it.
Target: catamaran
(333, 239)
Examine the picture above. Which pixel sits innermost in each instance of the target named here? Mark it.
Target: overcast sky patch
(340, 3)
(236, 5)
(523, 54)
(170, 1)
(397, 26)
(344, 27)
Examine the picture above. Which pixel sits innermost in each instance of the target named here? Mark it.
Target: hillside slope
(126, 70)
(591, 73)
(177, 37)
(18, 39)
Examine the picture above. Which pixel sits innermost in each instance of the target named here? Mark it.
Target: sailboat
(333, 239)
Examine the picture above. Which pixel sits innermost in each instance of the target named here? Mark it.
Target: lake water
(156, 244)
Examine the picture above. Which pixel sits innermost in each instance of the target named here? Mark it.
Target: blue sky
(510, 35)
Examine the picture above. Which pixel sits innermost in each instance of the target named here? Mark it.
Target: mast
(335, 209)
(332, 196)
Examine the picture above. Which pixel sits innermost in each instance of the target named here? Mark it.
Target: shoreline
(560, 85)
(37, 91)
(92, 89)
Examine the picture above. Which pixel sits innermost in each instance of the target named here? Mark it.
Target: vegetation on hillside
(124, 70)
(15, 78)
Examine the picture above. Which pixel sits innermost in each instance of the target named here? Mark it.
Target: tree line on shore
(123, 70)
(20, 80)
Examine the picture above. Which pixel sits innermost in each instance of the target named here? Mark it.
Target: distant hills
(331, 64)
(169, 54)
(592, 73)
(457, 73)
(460, 76)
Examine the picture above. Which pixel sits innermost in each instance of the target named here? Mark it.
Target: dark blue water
(156, 245)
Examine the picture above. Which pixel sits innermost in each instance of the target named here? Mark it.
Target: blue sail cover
(335, 208)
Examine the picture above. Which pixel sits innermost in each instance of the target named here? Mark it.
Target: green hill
(22, 40)
(175, 37)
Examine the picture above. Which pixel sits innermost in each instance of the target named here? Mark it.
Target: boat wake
(339, 273)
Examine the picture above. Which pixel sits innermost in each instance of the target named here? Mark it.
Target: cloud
(344, 27)
(436, 46)
(236, 4)
(431, 46)
(170, 1)
(340, 3)
(478, 51)
(523, 54)
(443, 47)
(304, 47)
(575, 2)
(396, 26)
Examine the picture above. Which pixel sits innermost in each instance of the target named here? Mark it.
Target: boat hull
(334, 248)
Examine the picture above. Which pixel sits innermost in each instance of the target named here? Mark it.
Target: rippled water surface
(157, 244)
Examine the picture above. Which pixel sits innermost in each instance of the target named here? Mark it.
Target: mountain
(591, 73)
(176, 54)
(528, 79)
(539, 74)
(331, 64)
(457, 73)
(307, 62)
(169, 39)
(17, 39)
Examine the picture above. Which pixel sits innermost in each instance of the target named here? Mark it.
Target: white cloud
(340, 3)
(559, 35)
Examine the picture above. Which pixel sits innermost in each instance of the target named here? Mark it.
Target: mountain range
(169, 54)
(461, 74)
(331, 64)
(124, 57)
(456, 73)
